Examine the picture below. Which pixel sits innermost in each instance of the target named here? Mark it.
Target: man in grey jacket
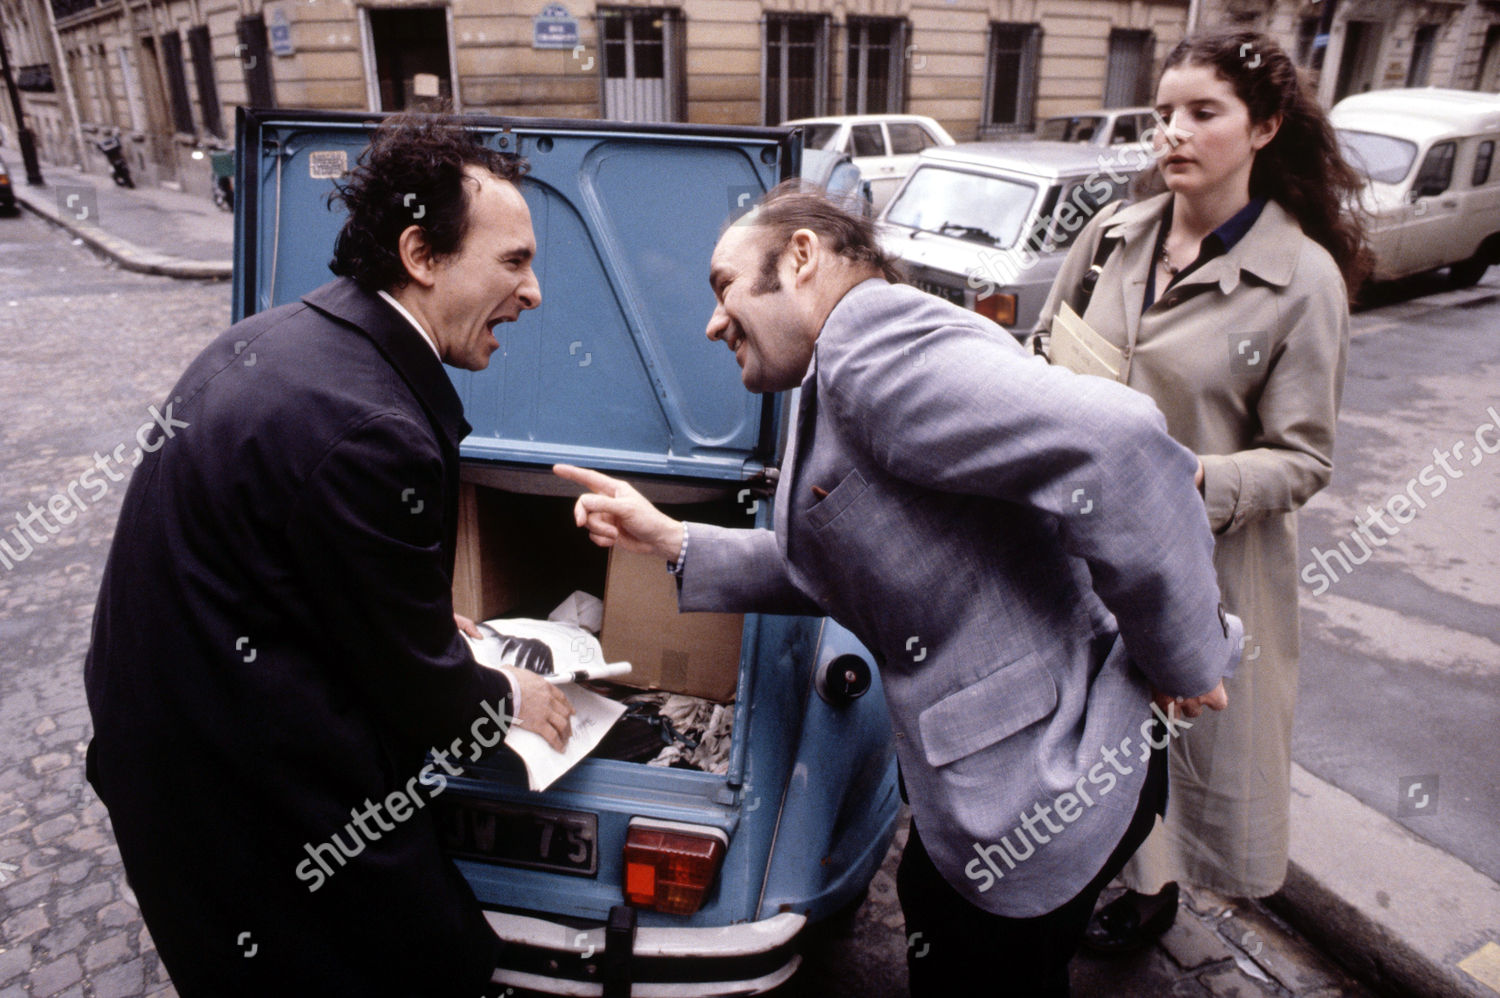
(1022, 549)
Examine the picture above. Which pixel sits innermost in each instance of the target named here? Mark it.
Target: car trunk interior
(520, 554)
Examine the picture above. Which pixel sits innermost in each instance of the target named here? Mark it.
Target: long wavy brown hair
(1302, 168)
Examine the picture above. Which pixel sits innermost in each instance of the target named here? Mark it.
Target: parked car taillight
(669, 866)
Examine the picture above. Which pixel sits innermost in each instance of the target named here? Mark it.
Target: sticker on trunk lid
(327, 164)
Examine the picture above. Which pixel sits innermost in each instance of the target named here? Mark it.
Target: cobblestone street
(85, 351)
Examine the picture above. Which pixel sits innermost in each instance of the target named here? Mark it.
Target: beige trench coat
(1245, 357)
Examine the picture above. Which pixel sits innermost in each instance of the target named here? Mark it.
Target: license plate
(535, 837)
(931, 287)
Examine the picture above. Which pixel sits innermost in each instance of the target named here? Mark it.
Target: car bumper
(744, 959)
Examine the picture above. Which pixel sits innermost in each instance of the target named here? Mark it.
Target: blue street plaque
(280, 31)
(554, 28)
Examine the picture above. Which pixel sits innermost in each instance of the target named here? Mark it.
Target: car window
(1382, 158)
(1081, 201)
(1125, 130)
(1070, 128)
(867, 141)
(1437, 170)
(908, 137)
(971, 206)
(818, 136)
(1482, 160)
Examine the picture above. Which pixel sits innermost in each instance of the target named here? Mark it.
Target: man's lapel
(799, 448)
(401, 345)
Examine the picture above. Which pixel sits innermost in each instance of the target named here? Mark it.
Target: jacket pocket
(983, 713)
(842, 496)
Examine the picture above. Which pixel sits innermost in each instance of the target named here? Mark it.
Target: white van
(1433, 187)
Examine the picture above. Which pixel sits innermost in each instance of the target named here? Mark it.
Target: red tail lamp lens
(670, 867)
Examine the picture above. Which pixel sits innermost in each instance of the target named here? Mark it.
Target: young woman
(1227, 297)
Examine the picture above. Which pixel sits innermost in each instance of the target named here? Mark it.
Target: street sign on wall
(554, 28)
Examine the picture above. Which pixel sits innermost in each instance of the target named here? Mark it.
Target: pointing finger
(592, 480)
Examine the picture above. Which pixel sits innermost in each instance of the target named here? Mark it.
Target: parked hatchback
(690, 879)
(986, 224)
(1432, 189)
(883, 146)
(1101, 127)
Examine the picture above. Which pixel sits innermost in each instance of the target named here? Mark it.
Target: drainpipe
(67, 82)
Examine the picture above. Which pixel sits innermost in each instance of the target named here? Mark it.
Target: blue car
(624, 877)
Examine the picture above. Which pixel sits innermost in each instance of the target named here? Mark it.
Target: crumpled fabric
(703, 721)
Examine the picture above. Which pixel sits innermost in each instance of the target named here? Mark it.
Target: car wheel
(1468, 273)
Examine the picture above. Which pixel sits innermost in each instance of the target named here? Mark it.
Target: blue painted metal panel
(613, 370)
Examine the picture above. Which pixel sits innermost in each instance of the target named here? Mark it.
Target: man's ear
(805, 246)
(417, 257)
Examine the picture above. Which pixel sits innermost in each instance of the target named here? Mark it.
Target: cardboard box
(481, 582)
(693, 653)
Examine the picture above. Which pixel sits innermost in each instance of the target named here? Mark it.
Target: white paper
(581, 608)
(593, 715)
(1076, 346)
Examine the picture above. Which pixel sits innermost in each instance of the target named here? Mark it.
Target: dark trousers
(966, 951)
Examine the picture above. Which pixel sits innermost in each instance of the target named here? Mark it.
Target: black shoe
(1131, 922)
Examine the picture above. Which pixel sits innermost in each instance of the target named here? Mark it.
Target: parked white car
(986, 225)
(1432, 188)
(1098, 127)
(883, 146)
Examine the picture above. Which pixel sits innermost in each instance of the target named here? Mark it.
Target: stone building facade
(168, 74)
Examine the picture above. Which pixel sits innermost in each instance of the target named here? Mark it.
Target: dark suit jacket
(274, 647)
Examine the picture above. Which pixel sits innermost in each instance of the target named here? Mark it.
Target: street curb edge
(127, 254)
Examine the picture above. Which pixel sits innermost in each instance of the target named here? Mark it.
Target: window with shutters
(795, 67)
(1010, 88)
(875, 60)
(644, 77)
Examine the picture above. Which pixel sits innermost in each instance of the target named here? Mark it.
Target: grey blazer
(1023, 551)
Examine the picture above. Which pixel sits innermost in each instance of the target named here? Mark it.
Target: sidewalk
(152, 230)
(1402, 916)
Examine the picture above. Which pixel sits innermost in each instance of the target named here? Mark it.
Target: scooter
(110, 147)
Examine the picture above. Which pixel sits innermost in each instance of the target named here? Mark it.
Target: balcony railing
(67, 8)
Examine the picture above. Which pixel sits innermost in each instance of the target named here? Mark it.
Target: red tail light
(997, 308)
(669, 866)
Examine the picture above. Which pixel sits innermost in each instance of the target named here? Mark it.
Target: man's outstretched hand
(614, 513)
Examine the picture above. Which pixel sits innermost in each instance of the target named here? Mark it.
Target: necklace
(1166, 261)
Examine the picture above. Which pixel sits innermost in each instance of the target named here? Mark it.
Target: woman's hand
(1215, 699)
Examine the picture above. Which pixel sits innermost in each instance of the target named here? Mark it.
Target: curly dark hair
(411, 173)
(1302, 168)
(797, 204)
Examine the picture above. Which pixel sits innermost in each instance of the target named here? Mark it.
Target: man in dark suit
(275, 650)
(1021, 548)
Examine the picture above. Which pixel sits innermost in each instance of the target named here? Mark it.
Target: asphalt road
(1399, 702)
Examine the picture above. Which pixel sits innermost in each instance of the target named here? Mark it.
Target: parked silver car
(986, 224)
